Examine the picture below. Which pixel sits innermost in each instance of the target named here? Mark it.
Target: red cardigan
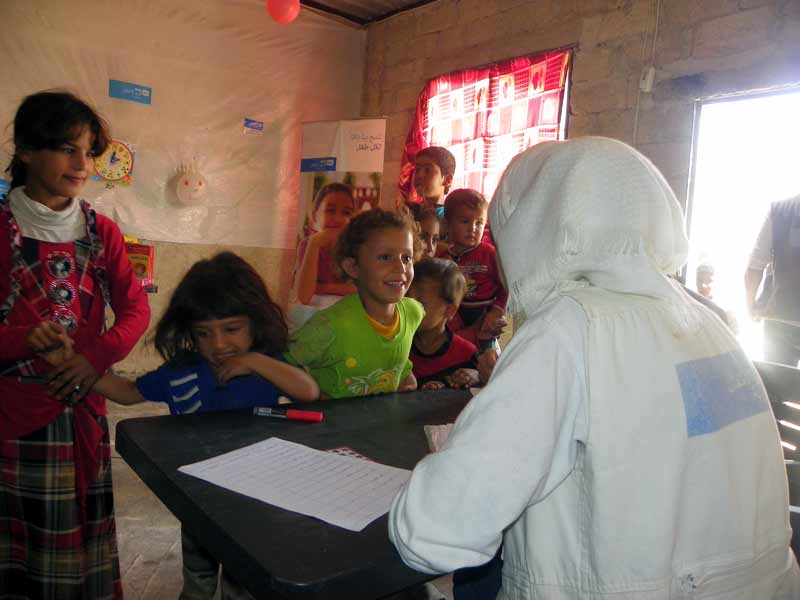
(25, 408)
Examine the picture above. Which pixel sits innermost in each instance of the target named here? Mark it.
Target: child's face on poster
(335, 210)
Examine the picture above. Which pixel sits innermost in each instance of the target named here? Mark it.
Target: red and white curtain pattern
(488, 115)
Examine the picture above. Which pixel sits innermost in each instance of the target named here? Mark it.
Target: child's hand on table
(433, 385)
(463, 378)
(409, 384)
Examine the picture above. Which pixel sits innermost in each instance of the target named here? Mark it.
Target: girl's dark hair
(47, 120)
(452, 285)
(330, 188)
(218, 288)
(355, 233)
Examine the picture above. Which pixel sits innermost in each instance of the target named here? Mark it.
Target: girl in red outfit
(61, 264)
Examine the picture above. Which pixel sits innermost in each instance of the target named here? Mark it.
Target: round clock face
(115, 163)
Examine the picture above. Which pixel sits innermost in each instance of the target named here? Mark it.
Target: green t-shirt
(347, 357)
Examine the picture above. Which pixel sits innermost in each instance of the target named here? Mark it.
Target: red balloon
(283, 11)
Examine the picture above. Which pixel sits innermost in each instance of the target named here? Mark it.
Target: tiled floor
(149, 536)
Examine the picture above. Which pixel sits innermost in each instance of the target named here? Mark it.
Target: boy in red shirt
(484, 303)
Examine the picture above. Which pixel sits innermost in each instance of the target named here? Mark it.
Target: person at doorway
(624, 447)
(775, 259)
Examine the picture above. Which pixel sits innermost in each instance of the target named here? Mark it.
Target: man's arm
(752, 279)
(760, 257)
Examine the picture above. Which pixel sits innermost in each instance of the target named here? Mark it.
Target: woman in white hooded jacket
(624, 447)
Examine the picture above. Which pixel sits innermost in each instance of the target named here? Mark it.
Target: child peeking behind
(440, 357)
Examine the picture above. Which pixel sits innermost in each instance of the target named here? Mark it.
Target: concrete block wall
(703, 48)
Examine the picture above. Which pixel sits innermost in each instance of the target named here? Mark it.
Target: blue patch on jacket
(718, 391)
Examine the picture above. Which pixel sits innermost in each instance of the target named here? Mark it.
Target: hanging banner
(341, 165)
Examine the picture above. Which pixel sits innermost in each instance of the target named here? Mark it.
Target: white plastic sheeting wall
(210, 64)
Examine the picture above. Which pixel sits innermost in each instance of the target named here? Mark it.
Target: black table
(273, 552)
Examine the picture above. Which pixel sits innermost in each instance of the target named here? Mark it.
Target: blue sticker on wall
(718, 391)
(312, 165)
(253, 127)
(130, 91)
(5, 185)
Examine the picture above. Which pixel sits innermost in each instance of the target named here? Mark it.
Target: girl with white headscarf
(624, 447)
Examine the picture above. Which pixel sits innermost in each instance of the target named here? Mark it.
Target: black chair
(783, 388)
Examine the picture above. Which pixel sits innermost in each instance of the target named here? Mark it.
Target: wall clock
(116, 163)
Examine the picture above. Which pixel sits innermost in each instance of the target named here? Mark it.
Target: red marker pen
(288, 413)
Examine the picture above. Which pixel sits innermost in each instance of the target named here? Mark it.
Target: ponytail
(18, 171)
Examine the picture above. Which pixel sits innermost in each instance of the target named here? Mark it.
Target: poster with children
(341, 165)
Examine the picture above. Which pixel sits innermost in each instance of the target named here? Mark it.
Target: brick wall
(703, 48)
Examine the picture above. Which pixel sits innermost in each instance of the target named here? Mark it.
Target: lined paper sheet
(341, 490)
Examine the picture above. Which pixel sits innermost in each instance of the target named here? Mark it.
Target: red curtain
(486, 116)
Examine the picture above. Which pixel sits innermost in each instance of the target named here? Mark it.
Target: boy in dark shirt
(440, 357)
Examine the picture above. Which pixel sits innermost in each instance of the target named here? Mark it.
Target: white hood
(590, 211)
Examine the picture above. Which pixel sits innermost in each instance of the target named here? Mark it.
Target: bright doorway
(746, 155)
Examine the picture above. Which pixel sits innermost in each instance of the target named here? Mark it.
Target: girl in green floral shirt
(360, 345)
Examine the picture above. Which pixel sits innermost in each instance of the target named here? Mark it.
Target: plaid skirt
(47, 552)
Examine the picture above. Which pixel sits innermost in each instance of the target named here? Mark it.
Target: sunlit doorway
(746, 155)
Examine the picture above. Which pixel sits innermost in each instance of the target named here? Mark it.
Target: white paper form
(341, 490)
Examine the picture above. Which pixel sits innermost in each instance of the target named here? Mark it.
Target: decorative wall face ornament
(191, 187)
